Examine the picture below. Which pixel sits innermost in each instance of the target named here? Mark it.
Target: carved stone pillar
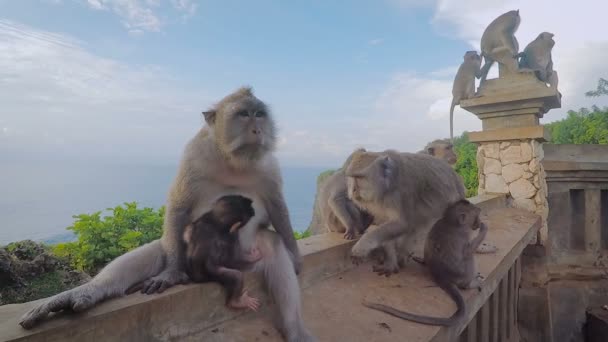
(510, 151)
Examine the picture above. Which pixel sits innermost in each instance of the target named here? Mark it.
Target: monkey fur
(406, 193)
(498, 37)
(442, 149)
(232, 153)
(448, 254)
(338, 212)
(213, 252)
(464, 83)
(537, 57)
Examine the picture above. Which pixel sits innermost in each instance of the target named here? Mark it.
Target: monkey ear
(462, 218)
(387, 165)
(210, 116)
(431, 151)
(188, 233)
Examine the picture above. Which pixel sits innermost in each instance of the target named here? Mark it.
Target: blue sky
(127, 79)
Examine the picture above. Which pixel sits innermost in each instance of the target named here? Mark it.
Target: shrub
(466, 166)
(100, 240)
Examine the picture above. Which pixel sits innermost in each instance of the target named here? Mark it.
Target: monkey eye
(243, 113)
(260, 114)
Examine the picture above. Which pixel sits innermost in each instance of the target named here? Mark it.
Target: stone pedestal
(510, 149)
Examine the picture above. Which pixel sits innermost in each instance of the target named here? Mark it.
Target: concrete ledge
(183, 310)
(539, 133)
(179, 311)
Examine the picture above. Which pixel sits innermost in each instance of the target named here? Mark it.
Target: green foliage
(100, 240)
(602, 89)
(302, 235)
(466, 166)
(582, 127)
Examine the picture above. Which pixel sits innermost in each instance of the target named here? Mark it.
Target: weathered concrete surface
(330, 290)
(333, 311)
(516, 100)
(179, 311)
(539, 133)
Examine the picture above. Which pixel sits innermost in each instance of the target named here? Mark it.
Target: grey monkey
(232, 154)
(448, 254)
(464, 83)
(497, 38)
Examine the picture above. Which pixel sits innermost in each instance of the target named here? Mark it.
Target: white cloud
(579, 56)
(376, 41)
(56, 95)
(140, 16)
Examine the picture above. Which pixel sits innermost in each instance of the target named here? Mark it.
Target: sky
(128, 79)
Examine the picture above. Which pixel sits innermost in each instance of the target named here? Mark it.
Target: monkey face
(242, 125)
(443, 152)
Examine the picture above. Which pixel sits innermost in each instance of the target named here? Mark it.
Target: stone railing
(332, 289)
(577, 249)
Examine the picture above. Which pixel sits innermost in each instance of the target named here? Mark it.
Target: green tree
(582, 127)
(102, 239)
(466, 166)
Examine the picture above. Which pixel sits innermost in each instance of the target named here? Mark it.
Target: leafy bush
(302, 235)
(582, 127)
(466, 166)
(100, 240)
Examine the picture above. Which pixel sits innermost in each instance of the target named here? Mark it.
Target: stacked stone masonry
(514, 168)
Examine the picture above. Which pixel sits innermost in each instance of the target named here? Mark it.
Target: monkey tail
(454, 103)
(450, 288)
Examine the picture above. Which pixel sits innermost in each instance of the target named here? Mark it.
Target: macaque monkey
(464, 83)
(213, 253)
(448, 254)
(442, 149)
(498, 38)
(338, 212)
(233, 153)
(406, 193)
(537, 57)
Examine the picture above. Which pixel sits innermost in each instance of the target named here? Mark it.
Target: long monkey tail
(450, 288)
(454, 103)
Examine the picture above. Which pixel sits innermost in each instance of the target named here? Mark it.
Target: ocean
(38, 199)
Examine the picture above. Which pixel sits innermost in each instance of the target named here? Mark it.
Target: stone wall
(514, 168)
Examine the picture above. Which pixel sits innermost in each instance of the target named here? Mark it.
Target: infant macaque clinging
(213, 252)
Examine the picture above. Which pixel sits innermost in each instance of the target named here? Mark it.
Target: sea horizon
(39, 200)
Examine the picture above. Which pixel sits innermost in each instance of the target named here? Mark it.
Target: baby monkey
(448, 253)
(213, 252)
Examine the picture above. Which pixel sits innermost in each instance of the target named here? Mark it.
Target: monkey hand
(77, 300)
(350, 233)
(362, 248)
(245, 302)
(163, 281)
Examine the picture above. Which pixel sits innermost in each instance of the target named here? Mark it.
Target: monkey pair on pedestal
(498, 43)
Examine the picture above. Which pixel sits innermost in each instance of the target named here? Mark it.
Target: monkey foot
(486, 248)
(164, 281)
(418, 259)
(245, 302)
(385, 270)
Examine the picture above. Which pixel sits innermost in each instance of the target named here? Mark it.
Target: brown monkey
(537, 57)
(464, 83)
(232, 153)
(498, 37)
(213, 253)
(448, 253)
(338, 212)
(406, 193)
(442, 149)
